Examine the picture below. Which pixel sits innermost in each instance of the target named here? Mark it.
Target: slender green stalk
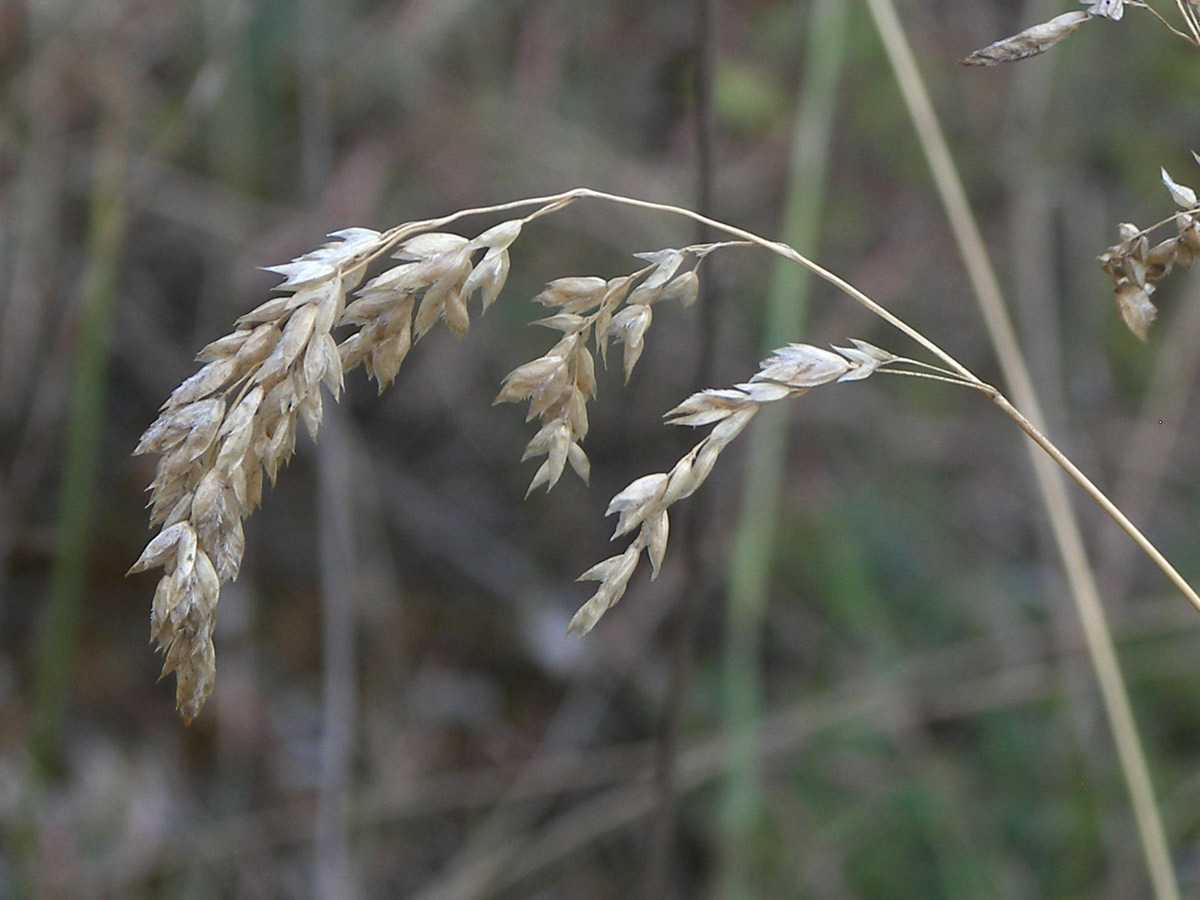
(1063, 522)
(755, 534)
(59, 635)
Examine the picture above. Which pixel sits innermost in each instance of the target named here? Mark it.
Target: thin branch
(560, 200)
(1167, 25)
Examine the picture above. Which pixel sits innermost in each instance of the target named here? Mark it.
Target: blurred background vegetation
(397, 711)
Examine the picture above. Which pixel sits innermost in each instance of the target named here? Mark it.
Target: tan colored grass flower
(1136, 267)
(235, 419)
(219, 432)
(789, 372)
(590, 310)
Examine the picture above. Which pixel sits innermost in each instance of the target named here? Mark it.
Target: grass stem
(1065, 526)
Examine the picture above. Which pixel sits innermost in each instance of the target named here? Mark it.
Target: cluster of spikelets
(789, 372)
(1136, 267)
(236, 419)
(592, 311)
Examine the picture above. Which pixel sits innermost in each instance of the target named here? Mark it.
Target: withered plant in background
(1135, 266)
(236, 418)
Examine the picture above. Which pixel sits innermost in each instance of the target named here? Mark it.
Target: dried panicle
(1040, 38)
(236, 418)
(216, 435)
(1136, 266)
(234, 422)
(788, 372)
(590, 312)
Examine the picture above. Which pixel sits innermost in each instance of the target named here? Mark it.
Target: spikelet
(1136, 266)
(590, 312)
(789, 372)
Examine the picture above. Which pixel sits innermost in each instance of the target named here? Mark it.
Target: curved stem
(1192, 39)
(558, 201)
(1098, 495)
(999, 399)
(795, 256)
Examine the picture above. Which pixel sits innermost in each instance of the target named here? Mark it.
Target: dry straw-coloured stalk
(236, 418)
(1068, 539)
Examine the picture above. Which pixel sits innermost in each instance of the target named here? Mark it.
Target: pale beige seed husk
(1029, 42)
(212, 462)
(643, 504)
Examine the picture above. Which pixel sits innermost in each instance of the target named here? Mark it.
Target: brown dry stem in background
(236, 418)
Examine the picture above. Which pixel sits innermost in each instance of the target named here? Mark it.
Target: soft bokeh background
(397, 712)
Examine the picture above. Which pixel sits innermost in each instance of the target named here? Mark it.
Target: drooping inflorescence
(236, 419)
